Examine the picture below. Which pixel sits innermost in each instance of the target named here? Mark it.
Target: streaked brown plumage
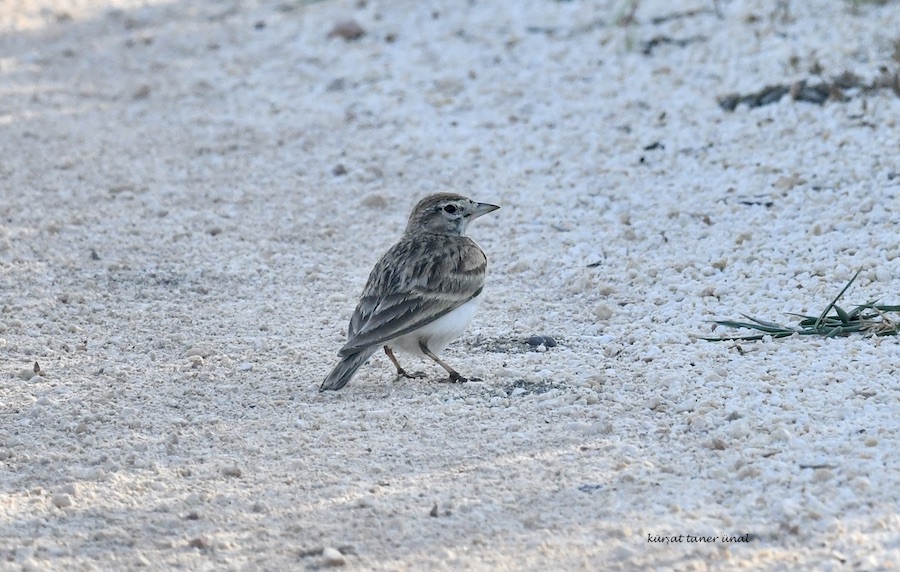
(422, 293)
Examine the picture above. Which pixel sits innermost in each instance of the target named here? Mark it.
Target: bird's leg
(400, 370)
(454, 375)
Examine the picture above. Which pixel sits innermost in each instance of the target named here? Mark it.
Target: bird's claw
(417, 375)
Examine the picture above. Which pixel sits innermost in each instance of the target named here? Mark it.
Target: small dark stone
(765, 96)
(349, 30)
(434, 511)
(653, 43)
(663, 40)
(846, 80)
(339, 170)
(817, 94)
(769, 94)
(143, 92)
(310, 552)
(729, 102)
(259, 25)
(536, 341)
(337, 84)
(653, 146)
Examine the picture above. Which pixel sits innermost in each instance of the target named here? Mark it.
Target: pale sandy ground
(180, 257)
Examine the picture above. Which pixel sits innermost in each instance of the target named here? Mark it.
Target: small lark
(422, 293)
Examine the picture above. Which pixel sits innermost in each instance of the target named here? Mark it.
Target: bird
(423, 292)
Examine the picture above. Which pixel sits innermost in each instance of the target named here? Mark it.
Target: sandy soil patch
(191, 197)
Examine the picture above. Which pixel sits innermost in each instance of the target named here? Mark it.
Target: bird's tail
(343, 371)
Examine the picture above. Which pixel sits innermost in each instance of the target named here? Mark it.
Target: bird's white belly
(439, 333)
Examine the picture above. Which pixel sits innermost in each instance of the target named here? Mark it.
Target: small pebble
(142, 92)
(232, 471)
(579, 426)
(70, 489)
(349, 30)
(61, 500)
(603, 312)
(333, 557)
(375, 201)
(198, 351)
(545, 341)
(718, 444)
(780, 434)
(685, 406)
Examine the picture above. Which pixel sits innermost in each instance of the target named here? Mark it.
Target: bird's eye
(450, 209)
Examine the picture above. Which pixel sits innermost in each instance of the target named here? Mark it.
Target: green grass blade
(860, 309)
(836, 331)
(838, 297)
(760, 327)
(845, 319)
(869, 318)
(764, 323)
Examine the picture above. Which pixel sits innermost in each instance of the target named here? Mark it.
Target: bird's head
(446, 213)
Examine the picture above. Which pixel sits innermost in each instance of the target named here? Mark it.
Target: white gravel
(193, 192)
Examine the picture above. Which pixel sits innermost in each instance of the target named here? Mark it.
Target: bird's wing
(414, 284)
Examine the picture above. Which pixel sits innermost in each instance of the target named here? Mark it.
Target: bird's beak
(484, 208)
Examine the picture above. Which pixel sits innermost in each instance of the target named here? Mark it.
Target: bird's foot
(456, 378)
(403, 373)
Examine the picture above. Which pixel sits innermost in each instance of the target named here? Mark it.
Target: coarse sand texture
(192, 195)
